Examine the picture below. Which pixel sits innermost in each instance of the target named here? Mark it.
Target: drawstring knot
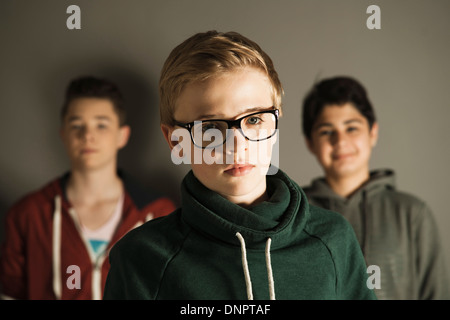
(248, 282)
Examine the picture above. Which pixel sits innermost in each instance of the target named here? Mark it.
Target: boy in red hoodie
(57, 239)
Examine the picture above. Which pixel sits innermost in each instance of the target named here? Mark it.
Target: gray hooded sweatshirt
(396, 231)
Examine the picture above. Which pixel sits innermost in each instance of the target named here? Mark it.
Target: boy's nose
(339, 138)
(87, 134)
(236, 145)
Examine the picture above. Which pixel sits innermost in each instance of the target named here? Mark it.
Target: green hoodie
(396, 231)
(196, 252)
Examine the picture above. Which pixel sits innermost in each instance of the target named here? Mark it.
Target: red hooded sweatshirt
(44, 249)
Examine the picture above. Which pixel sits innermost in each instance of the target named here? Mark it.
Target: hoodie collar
(210, 213)
(138, 194)
(379, 180)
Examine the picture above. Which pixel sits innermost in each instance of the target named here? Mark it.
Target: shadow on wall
(3, 209)
(145, 154)
(141, 158)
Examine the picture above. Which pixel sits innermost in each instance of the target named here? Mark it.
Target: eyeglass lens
(214, 133)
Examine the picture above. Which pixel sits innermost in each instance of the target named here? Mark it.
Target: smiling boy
(72, 222)
(396, 231)
(240, 232)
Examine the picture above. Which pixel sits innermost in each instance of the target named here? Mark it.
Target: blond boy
(240, 233)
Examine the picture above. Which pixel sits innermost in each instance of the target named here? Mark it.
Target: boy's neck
(345, 186)
(245, 203)
(257, 195)
(94, 185)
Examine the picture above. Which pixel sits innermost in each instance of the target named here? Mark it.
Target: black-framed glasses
(213, 133)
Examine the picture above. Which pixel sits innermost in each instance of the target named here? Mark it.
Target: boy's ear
(167, 132)
(124, 136)
(374, 134)
(61, 133)
(310, 145)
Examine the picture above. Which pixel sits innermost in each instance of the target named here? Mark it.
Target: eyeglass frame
(231, 124)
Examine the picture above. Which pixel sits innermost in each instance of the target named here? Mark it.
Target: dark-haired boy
(397, 231)
(57, 238)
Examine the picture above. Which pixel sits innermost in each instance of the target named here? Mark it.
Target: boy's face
(230, 96)
(342, 141)
(91, 133)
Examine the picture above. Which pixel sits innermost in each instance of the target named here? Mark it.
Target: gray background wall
(404, 66)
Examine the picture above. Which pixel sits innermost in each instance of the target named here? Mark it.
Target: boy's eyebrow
(99, 117)
(250, 110)
(327, 124)
(353, 120)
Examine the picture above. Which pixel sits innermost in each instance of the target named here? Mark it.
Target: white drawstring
(269, 270)
(248, 282)
(56, 246)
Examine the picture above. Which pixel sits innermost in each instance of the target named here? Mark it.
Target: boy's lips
(88, 150)
(342, 156)
(239, 170)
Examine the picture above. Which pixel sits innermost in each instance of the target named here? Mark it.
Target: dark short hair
(92, 87)
(335, 91)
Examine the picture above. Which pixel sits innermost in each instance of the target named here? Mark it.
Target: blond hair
(209, 54)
